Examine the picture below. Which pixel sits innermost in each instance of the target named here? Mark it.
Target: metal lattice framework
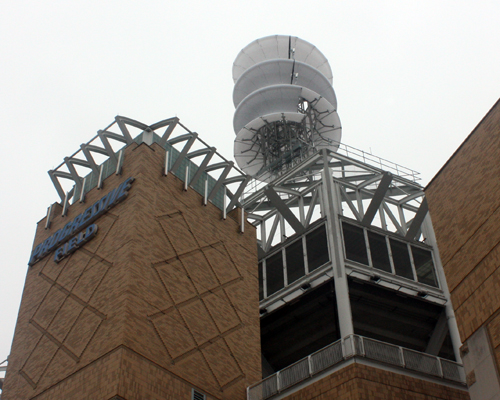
(325, 188)
(366, 193)
(102, 144)
(182, 151)
(330, 188)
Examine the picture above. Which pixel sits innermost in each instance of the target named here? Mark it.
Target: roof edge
(497, 103)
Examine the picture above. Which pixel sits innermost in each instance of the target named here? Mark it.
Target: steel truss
(335, 187)
(180, 149)
(363, 192)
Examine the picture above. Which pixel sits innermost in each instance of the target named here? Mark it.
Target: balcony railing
(349, 347)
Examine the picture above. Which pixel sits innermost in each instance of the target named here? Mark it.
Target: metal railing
(355, 154)
(343, 349)
(379, 162)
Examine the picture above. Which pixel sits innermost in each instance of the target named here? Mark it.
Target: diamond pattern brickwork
(163, 299)
(196, 281)
(464, 204)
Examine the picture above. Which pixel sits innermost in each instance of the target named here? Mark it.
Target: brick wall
(464, 203)
(361, 382)
(165, 292)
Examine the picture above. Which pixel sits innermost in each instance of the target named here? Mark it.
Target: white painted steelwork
(333, 187)
(103, 155)
(3, 370)
(280, 47)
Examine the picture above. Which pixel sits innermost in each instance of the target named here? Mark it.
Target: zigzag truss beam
(391, 200)
(118, 134)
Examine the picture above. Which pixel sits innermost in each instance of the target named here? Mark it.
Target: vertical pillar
(450, 313)
(331, 210)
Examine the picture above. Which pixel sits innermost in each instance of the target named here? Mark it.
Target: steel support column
(417, 221)
(330, 202)
(450, 313)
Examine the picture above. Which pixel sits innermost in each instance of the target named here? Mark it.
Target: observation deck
(356, 349)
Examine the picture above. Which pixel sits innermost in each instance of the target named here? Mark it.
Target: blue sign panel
(67, 239)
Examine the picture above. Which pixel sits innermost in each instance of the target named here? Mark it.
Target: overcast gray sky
(412, 79)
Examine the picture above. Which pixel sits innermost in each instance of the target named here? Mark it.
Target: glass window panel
(261, 283)
(379, 252)
(274, 273)
(295, 261)
(401, 258)
(424, 266)
(317, 248)
(354, 241)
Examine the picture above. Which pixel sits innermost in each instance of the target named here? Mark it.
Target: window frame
(388, 237)
(281, 247)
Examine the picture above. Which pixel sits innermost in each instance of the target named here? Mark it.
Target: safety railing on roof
(355, 345)
(348, 167)
(379, 162)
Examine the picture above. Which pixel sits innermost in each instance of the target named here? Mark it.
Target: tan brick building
(464, 201)
(165, 289)
(161, 302)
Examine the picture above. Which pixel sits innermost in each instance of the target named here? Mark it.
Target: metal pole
(335, 244)
(49, 215)
(450, 313)
(65, 205)
(440, 366)
(242, 229)
(165, 171)
(224, 211)
(186, 178)
(99, 181)
(119, 163)
(206, 192)
(82, 193)
(402, 356)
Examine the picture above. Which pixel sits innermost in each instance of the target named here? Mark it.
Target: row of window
(293, 261)
(388, 254)
(361, 245)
